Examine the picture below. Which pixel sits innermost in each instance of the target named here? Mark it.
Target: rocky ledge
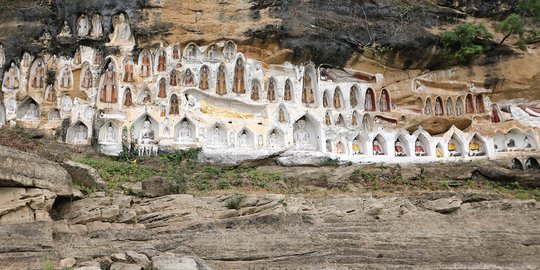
(43, 225)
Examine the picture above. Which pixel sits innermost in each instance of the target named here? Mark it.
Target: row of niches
(455, 105)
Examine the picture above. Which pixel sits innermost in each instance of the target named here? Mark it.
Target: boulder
(443, 205)
(119, 257)
(157, 186)
(173, 263)
(21, 205)
(139, 259)
(125, 266)
(20, 169)
(84, 175)
(67, 263)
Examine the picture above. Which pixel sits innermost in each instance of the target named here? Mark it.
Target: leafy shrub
(235, 201)
(467, 40)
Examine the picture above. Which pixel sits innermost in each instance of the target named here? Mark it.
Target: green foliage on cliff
(513, 24)
(530, 8)
(467, 40)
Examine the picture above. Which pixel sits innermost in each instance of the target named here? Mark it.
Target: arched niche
(276, 139)
(185, 130)
(160, 60)
(109, 133)
(221, 80)
(255, 93)
(385, 101)
(145, 130)
(516, 164)
(428, 107)
(340, 121)
(354, 97)
(229, 50)
(517, 139)
(359, 145)
(495, 114)
(283, 116)
(422, 146)
(355, 119)
(188, 79)
(367, 122)
(449, 106)
(66, 103)
(108, 85)
(328, 146)
(337, 101)
(246, 139)
(29, 109)
(455, 146)
(499, 141)
(239, 84)
(212, 53)
(309, 86)
(379, 146)
(64, 79)
(401, 146)
(439, 107)
(480, 108)
(145, 96)
(54, 115)
(341, 148)
(477, 146)
(12, 78)
(326, 99)
(288, 91)
(129, 70)
(469, 104)
(77, 133)
(145, 64)
(192, 52)
(174, 105)
(50, 94)
(271, 89)
(173, 78)
(459, 106)
(86, 76)
(204, 78)
(176, 53)
(369, 101)
(163, 89)
(306, 134)
(38, 75)
(328, 118)
(532, 164)
(217, 135)
(439, 150)
(127, 98)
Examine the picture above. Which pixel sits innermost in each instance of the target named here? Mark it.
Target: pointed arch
(221, 80)
(385, 101)
(379, 146)
(428, 107)
(109, 82)
(340, 121)
(477, 146)
(469, 104)
(65, 78)
(204, 75)
(160, 61)
(449, 107)
(141, 133)
(439, 108)
(239, 85)
(108, 133)
(255, 90)
(77, 133)
(191, 52)
(309, 83)
(338, 98)
(354, 96)
(369, 101)
(495, 115)
(282, 114)
(480, 108)
(328, 118)
(86, 76)
(326, 99)
(38, 74)
(271, 93)
(29, 109)
(53, 115)
(355, 119)
(459, 106)
(127, 101)
(185, 131)
(174, 105)
(401, 146)
(288, 91)
(306, 133)
(517, 165)
(145, 64)
(188, 78)
(163, 88)
(367, 122)
(217, 135)
(246, 139)
(176, 54)
(173, 78)
(532, 164)
(276, 138)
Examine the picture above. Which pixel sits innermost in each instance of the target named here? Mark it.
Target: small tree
(530, 8)
(513, 24)
(468, 40)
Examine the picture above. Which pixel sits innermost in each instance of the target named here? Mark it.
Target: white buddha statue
(147, 135)
(32, 112)
(122, 31)
(217, 136)
(184, 133)
(83, 26)
(66, 30)
(97, 25)
(11, 78)
(80, 136)
(272, 141)
(110, 137)
(303, 138)
(243, 140)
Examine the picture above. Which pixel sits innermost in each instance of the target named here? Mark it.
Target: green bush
(235, 201)
(467, 40)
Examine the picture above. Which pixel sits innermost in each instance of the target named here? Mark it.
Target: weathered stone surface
(67, 263)
(139, 259)
(125, 266)
(20, 169)
(88, 268)
(84, 175)
(444, 205)
(173, 263)
(22, 205)
(119, 257)
(157, 186)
